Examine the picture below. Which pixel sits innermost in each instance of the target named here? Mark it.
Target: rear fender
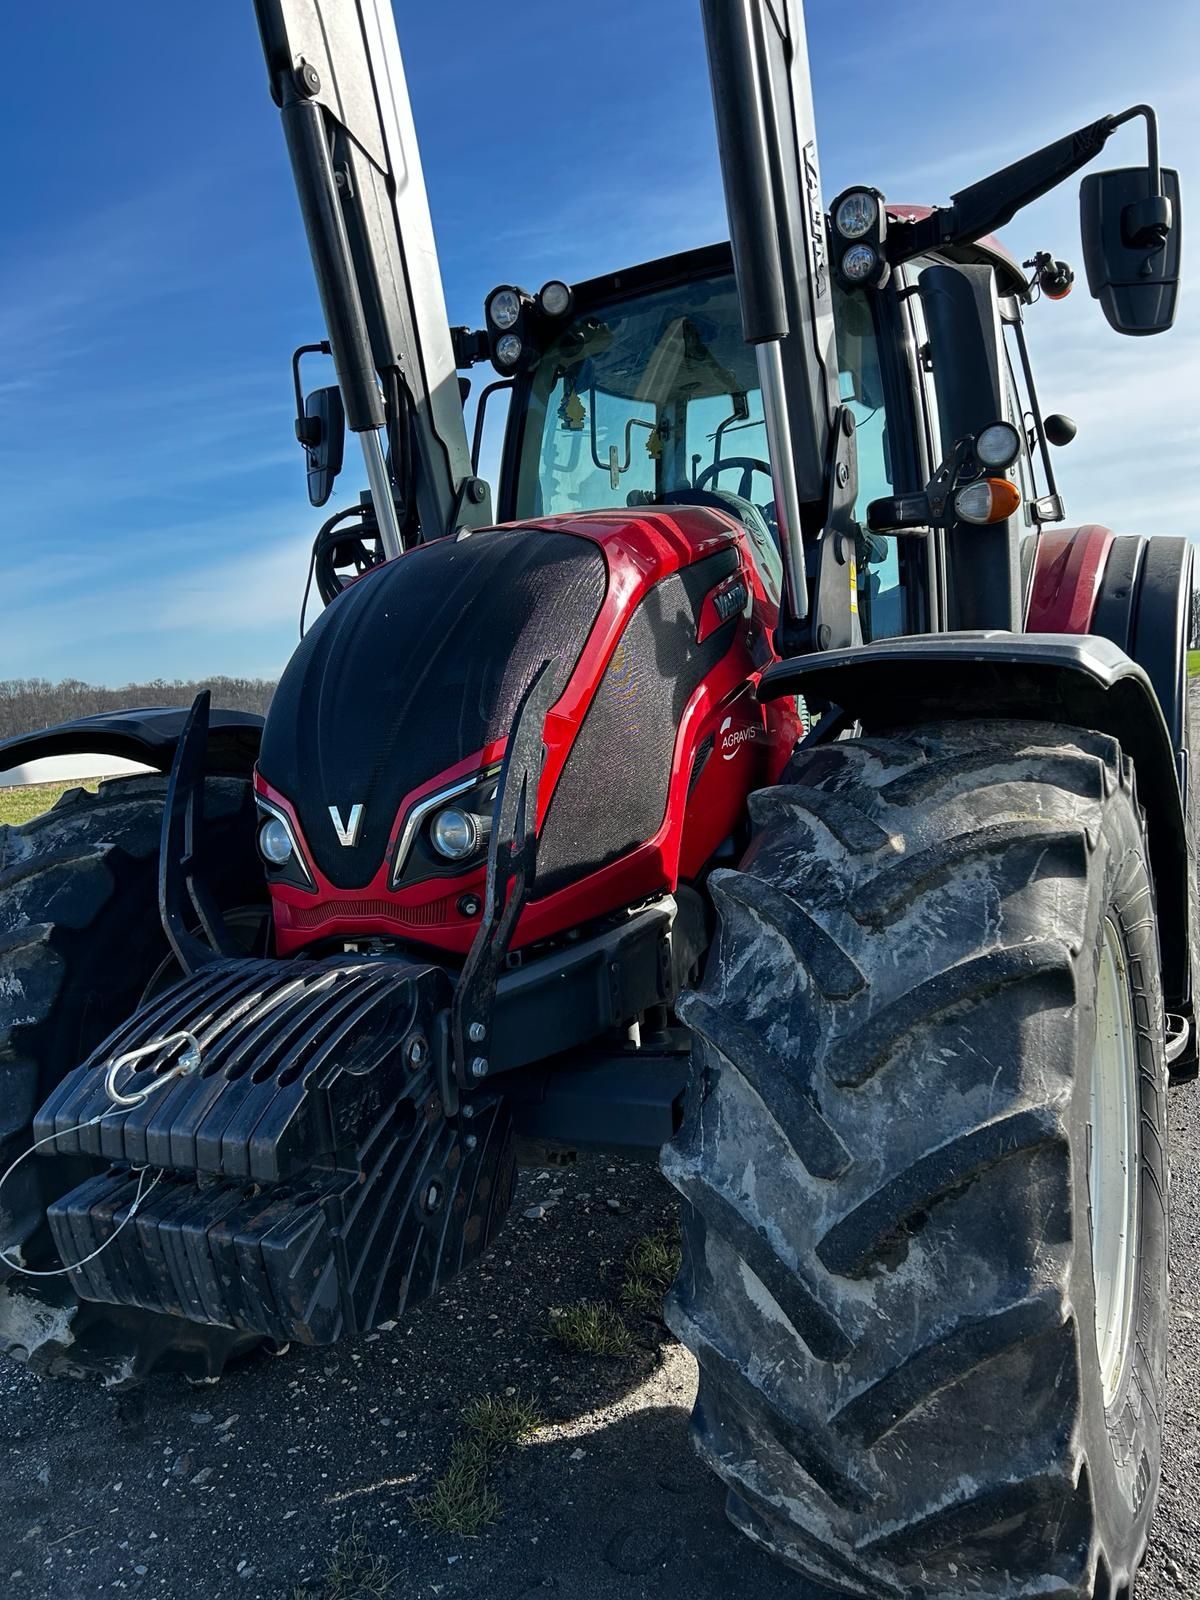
(150, 736)
(1134, 590)
(1080, 680)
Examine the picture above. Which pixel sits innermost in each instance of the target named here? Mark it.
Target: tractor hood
(416, 667)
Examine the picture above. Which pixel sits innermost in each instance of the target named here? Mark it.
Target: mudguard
(1134, 590)
(1077, 679)
(149, 735)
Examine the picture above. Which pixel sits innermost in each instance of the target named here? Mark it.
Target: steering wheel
(749, 465)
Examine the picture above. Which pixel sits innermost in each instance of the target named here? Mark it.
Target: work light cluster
(859, 230)
(513, 316)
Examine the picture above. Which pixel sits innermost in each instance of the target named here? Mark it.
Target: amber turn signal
(989, 500)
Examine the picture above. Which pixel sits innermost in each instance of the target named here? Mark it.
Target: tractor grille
(426, 916)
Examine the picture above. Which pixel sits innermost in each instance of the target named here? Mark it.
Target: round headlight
(504, 308)
(859, 263)
(856, 215)
(275, 842)
(455, 833)
(508, 350)
(997, 445)
(555, 298)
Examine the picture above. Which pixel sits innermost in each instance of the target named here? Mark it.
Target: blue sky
(154, 277)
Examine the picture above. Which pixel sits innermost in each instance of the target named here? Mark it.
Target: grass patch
(497, 1424)
(591, 1328)
(31, 799)
(352, 1573)
(462, 1501)
(1193, 663)
(650, 1270)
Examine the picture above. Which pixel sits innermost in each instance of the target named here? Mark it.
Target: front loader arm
(337, 76)
(766, 138)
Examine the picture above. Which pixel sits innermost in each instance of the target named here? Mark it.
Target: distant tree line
(30, 703)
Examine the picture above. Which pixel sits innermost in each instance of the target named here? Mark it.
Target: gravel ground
(246, 1488)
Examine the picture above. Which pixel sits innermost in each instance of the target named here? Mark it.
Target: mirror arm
(480, 411)
(984, 206)
(304, 424)
(1152, 161)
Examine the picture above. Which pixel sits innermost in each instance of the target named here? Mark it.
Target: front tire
(80, 945)
(892, 1156)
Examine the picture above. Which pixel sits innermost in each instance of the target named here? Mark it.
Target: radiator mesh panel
(612, 795)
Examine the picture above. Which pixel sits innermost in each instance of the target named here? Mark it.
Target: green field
(18, 805)
(1193, 663)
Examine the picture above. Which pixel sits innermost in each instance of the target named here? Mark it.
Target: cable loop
(189, 1061)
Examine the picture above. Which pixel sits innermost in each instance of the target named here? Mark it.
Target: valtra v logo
(731, 739)
(347, 832)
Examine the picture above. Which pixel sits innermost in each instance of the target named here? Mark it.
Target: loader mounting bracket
(512, 851)
(182, 832)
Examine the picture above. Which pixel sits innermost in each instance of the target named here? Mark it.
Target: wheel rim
(1112, 1176)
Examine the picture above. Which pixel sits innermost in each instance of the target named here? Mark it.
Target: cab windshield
(655, 399)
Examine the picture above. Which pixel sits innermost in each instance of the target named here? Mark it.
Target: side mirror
(322, 432)
(1132, 239)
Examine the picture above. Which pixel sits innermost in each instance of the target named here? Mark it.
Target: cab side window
(860, 380)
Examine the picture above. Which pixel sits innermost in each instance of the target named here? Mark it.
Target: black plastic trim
(149, 735)
(627, 1104)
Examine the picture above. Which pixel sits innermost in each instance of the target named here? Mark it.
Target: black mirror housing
(1059, 429)
(323, 435)
(1132, 239)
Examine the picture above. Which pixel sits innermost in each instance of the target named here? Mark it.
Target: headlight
(280, 848)
(508, 350)
(504, 308)
(555, 298)
(859, 263)
(448, 831)
(998, 445)
(457, 834)
(857, 214)
(275, 842)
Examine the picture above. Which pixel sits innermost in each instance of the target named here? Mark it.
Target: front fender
(1081, 680)
(149, 735)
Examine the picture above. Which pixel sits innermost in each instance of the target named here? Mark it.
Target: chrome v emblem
(347, 832)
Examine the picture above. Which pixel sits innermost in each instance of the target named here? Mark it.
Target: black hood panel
(415, 667)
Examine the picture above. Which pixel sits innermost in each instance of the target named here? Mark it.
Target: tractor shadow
(251, 1486)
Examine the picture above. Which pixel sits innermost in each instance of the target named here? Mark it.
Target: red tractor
(772, 791)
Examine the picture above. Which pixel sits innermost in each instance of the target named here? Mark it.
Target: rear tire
(80, 943)
(888, 1263)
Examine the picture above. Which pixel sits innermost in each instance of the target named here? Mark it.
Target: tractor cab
(643, 392)
(636, 388)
